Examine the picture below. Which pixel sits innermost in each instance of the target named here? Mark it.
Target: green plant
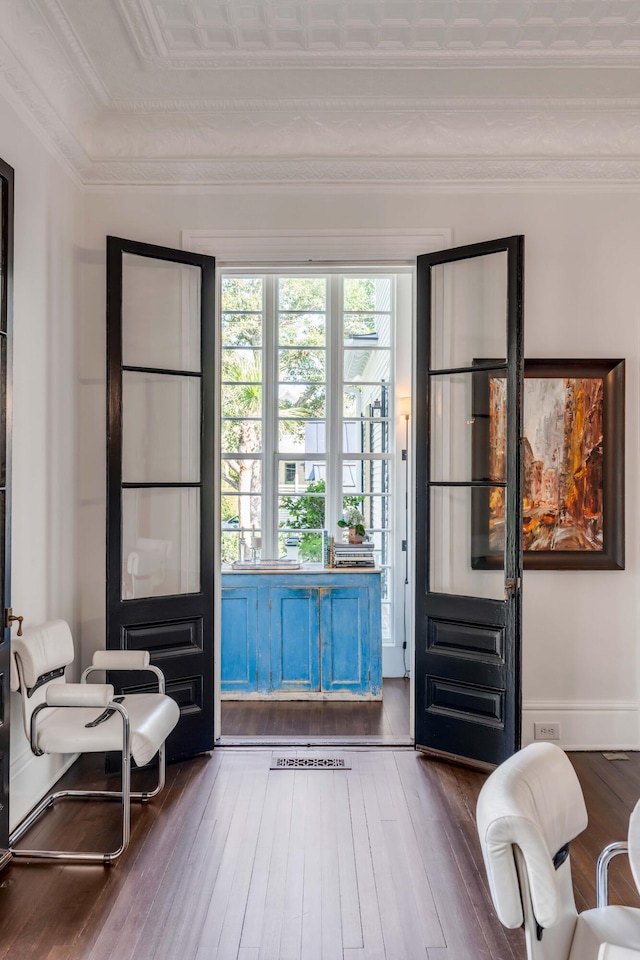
(353, 518)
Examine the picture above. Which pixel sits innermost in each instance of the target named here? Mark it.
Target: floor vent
(310, 763)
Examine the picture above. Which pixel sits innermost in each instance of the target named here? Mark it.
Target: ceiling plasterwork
(207, 34)
(107, 82)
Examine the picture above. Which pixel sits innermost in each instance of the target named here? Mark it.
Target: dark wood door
(469, 500)
(6, 326)
(160, 482)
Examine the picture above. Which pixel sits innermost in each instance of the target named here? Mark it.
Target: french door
(160, 476)
(6, 326)
(469, 500)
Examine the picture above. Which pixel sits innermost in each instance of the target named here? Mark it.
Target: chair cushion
(616, 925)
(152, 717)
(609, 952)
(533, 801)
(41, 649)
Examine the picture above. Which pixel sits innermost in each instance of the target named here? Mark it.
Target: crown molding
(62, 29)
(338, 170)
(373, 104)
(29, 103)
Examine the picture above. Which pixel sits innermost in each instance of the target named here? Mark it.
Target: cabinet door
(345, 631)
(295, 643)
(239, 632)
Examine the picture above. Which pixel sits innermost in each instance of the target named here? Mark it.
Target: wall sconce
(376, 409)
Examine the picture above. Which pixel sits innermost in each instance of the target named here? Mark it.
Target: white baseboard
(31, 778)
(585, 725)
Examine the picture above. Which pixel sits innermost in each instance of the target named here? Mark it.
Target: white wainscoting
(585, 725)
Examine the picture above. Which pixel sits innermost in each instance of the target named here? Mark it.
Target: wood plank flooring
(235, 861)
(387, 718)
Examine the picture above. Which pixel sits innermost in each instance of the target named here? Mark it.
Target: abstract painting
(572, 461)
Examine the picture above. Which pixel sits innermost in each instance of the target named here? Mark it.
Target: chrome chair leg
(602, 870)
(123, 795)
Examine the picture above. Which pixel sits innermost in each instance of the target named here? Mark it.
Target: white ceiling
(366, 91)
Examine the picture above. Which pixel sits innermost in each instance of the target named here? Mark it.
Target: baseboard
(585, 725)
(31, 778)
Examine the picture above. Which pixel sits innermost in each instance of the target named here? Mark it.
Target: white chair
(68, 718)
(609, 952)
(528, 811)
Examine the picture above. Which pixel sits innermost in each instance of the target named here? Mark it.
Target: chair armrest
(609, 952)
(602, 870)
(124, 660)
(79, 694)
(121, 660)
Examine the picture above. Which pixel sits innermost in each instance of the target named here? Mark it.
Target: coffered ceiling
(332, 91)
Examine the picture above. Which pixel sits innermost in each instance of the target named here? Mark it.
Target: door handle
(510, 587)
(9, 618)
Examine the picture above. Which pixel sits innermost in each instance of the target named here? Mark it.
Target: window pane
(239, 366)
(365, 476)
(302, 293)
(375, 510)
(303, 400)
(241, 293)
(467, 529)
(366, 400)
(301, 365)
(365, 364)
(366, 436)
(160, 542)
(241, 476)
(230, 546)
(367, 293)
(306, 546)
(243, 513)
(302, 329)
(241, 329)
(361, 328)
(241, 436)
(160, 313)
(160, 428)
(299, 436)
(242, 400)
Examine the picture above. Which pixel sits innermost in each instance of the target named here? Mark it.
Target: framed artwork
(573, 465)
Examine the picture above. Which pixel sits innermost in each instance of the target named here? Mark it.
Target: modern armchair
(68, 718)
(529, 810)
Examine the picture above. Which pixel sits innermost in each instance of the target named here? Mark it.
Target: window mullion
(270, 419)
(333, 506)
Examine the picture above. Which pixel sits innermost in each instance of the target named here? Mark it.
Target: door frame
(232, 248)
(7, 202)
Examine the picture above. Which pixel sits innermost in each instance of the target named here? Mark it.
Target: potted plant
(354, 520)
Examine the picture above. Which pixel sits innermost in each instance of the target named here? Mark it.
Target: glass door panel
(160, 313)
(469, 311)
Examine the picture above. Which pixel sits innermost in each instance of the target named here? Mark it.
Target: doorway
(315, 639)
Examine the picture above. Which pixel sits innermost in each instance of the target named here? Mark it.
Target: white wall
(581, 629)
(47, 238)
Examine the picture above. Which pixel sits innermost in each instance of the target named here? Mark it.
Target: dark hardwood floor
(234, 860)
(387, 718)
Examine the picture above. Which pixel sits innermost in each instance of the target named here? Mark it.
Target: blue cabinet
(301, 635)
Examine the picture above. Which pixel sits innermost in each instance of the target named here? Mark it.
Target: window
(307, 409)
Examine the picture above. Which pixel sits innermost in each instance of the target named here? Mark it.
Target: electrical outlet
(547, 731)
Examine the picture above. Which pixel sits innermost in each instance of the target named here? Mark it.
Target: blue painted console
(307, 634)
